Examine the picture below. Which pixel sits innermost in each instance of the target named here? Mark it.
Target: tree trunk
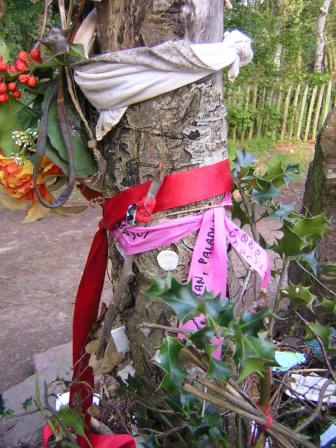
(320, 42)
(182, 129)
(320, 197)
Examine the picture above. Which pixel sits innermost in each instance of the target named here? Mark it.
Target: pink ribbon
(208, 269)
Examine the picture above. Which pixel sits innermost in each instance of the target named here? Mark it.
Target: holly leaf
(219, 370)
(262, 196)
(168, 361)
(299, 295)
(281, 211)
(27, 403)
(323, 331)
(158, 286)
(254, 354)
(220, 311)
(252, 323)
(328, 304)
(328, 268)
(202, 338)
(180, 297)
(73, 419)
(243, 159)
(238, 213)
(311, 228)
(290, 244)
(311, 259)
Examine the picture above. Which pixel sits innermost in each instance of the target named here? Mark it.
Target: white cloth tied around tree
(114, 81)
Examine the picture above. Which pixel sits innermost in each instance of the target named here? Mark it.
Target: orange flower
(17, 178)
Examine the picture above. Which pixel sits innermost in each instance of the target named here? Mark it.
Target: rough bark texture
(320, 196)
(182, 129)
(320, 41)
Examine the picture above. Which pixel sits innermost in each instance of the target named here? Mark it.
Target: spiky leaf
(168, 361)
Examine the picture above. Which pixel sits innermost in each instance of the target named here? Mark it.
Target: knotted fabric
(114, 81)
(212, 180)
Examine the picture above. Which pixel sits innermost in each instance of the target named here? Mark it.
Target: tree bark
(182, 129)
(320, 41)
(320, 197)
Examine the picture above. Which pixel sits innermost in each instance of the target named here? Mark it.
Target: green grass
(266, 151)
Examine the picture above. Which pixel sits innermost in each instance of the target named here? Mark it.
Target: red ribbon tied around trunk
(178, 189)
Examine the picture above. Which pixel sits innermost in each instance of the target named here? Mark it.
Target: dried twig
(317, 410)
(162, 327)
(281, 285)
(321, 343)
(279, 432)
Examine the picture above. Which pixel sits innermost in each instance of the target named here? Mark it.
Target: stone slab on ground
(56, 360)
(49, 365)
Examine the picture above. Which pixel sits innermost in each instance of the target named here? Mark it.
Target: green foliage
(20, 23)
(4, 411)
(72, 419)
(300, 234)
(247, 345)
(283, 36)
(168, 361)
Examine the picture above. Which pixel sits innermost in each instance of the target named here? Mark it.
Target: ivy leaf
(262, 196)
(168, 361)
(219, 370)
(73, 419)
(252, 323)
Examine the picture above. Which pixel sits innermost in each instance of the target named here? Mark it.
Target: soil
(41, 265)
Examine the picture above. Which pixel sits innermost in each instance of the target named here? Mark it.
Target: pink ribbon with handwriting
(208, 268)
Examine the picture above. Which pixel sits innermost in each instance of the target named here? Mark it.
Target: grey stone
(49, 365)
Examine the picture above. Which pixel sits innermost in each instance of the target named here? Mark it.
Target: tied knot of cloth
(144, 210)
(114, 81)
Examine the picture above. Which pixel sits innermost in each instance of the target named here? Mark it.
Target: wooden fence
(291, 113)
